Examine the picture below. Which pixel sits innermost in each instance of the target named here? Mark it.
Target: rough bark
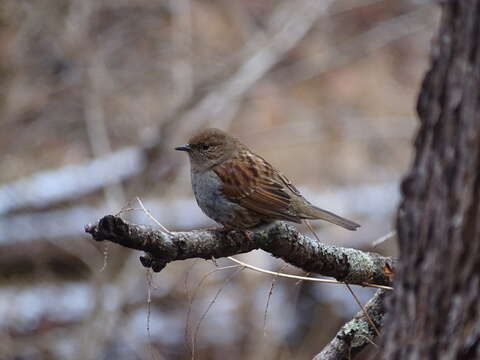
(435, 310)
(283, 241)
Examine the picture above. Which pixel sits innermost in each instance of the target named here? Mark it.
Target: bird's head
(209, 147)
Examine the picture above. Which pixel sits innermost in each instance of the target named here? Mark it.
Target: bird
(241, 191)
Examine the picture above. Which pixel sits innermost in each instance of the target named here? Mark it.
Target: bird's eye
(205, 147)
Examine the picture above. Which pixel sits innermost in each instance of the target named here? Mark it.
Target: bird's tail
(317, 213)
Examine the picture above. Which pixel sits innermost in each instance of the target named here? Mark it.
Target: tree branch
(283, 241)
(356, 334)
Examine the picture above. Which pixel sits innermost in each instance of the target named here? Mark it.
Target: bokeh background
(95, 95)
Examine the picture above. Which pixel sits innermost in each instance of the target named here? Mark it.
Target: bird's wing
(253, 183)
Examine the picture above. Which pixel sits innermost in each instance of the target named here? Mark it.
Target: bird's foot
(222, 230)
(225, 230)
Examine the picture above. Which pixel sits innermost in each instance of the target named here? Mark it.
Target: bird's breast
(207, 189)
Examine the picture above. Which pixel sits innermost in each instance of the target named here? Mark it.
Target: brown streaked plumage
(241, 190)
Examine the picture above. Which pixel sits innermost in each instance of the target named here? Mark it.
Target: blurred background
(95, 95)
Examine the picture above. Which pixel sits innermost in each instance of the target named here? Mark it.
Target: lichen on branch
(356, 334)
(282, 241)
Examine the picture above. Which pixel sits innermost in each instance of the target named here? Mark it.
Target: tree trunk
(434, 312)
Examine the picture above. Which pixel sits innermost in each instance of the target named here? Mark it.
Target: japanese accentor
(240, 190)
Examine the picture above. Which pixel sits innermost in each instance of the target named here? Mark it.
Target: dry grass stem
(164, 229)
(298, 277)
(363, 310)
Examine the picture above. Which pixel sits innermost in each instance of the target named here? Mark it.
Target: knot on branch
(108, 228)
(153, 263)
(159, 247)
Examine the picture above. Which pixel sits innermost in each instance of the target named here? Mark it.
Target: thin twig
(384, 238)
(369, 340)
(270, 292)
(299, 282)
(189, 299)
(148, 276)
(192, 298)
(164, 229)
(363, 309)
(348, 286)
(290, 276)
(204, 315)
(306, 222)
(105, 258)
(357, 333)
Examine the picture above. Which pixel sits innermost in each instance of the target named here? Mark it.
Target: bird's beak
(185, 147)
